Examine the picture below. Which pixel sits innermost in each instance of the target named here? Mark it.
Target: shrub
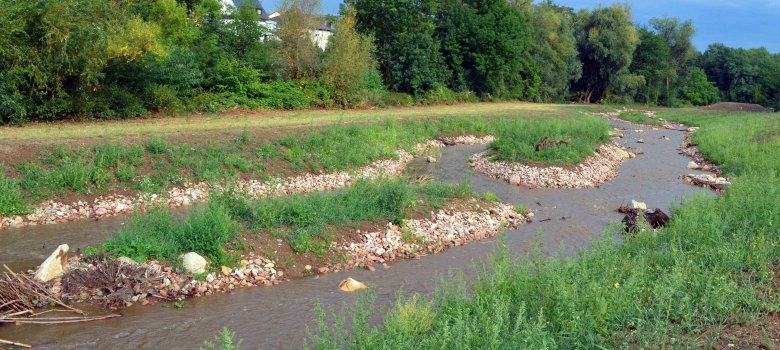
(205, 231)
(443, 95)
(399, 99)
(119, 103)
(278, 95)
(162, 98)
(208, 102)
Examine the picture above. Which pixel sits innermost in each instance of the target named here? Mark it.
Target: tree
(554, 49)
(699, 91)
(297, 49)
(409, 57)
(606, 41)
(651, 60)
(677, 36)
(486, 45)
(349, 61)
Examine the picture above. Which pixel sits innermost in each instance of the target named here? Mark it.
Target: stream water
(277, 317)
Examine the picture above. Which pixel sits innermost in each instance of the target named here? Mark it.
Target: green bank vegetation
(714, 264)
(303, 221)
(156, 164)
(638, 117)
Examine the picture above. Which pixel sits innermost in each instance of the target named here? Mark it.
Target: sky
(736, 23)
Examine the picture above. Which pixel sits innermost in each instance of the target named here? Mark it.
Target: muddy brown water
(278, 317)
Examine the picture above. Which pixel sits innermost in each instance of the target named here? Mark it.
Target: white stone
(638, 205)
(693, 165)
(54, 265)
(193, 263)
(515, 180)
(351, 285)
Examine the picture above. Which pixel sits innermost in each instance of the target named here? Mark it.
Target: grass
(277, 119)
(714, 264)
(300, 220)
(638, 117)
(157, 164)
(517, 140)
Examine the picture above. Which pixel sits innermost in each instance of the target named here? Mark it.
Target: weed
(225, 340)
(156, 145)
(521, 209)
(490, 197)
(11, 198)
(638, 117)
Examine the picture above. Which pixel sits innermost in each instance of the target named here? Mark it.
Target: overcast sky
(736, 23)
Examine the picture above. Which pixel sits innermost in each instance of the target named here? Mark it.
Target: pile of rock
(711, 181)
(593, 171)
(443, 229)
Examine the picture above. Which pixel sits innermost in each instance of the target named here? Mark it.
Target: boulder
(193, 263)
(515, 180)
(622, 154)
(54, 265)
(638, 205)
(693, 165)
(350, 285)
(431, 160)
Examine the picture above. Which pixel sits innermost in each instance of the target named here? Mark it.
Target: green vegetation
(123, 59)
(517, 140)
(158, 164)
(302, 221)
(714, 264)
(225, 340)
(638, 117)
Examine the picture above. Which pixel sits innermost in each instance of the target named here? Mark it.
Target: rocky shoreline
(593, 171)
(714, 181)
(122, 282)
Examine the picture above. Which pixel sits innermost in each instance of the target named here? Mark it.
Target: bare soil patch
(737, 107)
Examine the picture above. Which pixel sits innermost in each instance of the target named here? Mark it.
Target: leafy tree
(741, 75)
(297, 49)
(349, 60)
(651, 60)
(409, 57)
(677, 36)
(554, 49)
(486, 45)
(606, 40)
(699, 91)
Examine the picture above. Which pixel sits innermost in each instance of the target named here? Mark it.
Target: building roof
(257, 3)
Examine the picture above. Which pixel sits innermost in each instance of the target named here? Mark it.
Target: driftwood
(655, 218)
(20, 294)
(13, 343)
(56, 320)
(547, 142)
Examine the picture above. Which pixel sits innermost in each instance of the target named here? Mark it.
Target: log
(13, 343)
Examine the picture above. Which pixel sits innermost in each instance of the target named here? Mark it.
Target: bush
(399, 99)
(443, 95)
(119, 103)
(162, 98)
(205, 231)
(208, 102)
(278, 95)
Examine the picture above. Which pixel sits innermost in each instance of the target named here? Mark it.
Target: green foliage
(486, 47)
(225, 340)
(516, 140)
(638, 117)
(443, 95)
(750, 76)
(554, 49)
(157, 235)
(399, 99)
(651, 60)
(699, 91)
(11, 197)
(348, 62)
(606, 41)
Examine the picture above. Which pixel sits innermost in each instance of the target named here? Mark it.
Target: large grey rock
(54, 265)
(193, 263)
(515, 180)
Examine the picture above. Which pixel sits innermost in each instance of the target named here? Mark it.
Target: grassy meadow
(154, 163)
(715, 264)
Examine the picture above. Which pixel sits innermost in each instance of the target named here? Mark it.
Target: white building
(270, 20)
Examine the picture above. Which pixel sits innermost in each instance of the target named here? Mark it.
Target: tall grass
(715, 263)
(516, 140)
(300, 220)
(11, 197)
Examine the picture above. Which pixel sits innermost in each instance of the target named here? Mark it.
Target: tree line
(122, 58)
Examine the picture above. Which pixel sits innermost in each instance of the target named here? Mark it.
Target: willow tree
(297, 49)
(349, 61)
(606, 42)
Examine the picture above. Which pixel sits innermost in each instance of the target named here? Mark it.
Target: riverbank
(710, 267)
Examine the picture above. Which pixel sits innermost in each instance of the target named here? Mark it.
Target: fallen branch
(57, 320)
(548, 142)
(13, 343)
